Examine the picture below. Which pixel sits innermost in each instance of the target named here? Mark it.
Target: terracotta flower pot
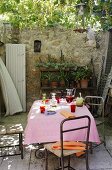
(45, 83)
(84, 83)
(54, 84)
(78, 84)
(62, 83)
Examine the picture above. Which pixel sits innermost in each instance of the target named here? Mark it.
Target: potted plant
(45, 78)
(54, 79)
(76, 77)
(84, 73)
(62, 78)
(81, 76)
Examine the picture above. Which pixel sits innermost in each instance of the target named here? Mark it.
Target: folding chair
(96, 106)
(62, 153)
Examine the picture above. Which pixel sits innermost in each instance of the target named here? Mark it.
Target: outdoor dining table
(42, 128)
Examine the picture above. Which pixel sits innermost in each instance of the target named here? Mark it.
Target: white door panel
(15, 63)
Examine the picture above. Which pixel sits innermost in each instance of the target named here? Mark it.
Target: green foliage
(30, 13)
(52, 63)
(50, 76)
(45, 75)
(41, 13)
(82, 73)
(54, 76)
(61, 69)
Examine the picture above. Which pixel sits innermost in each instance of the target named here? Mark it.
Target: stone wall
(74, 46)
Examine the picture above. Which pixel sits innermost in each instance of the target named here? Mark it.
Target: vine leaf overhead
(51, 13)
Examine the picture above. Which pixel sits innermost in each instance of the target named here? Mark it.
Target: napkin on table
(67, 114)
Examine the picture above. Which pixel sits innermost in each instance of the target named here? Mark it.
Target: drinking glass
(73, 107)
(70, 95)
(42, 109)
(69, 99)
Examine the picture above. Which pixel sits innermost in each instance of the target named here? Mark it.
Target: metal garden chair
(62, 153)
(96, 106)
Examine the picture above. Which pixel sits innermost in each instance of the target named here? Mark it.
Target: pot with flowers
(46, 78)
(63, 78)
(54, 79)
(84, 73)
(76, 77)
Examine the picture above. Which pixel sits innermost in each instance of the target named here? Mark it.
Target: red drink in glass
(69, 99)
(42, 109)
(73, 107)
(58, 99)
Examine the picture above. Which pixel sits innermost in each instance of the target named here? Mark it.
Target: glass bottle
(53, 99)
(43, 98)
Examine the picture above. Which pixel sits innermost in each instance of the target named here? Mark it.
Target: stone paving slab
(109, 141)
(99, 160)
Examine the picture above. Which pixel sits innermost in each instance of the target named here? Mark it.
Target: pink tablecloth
(43, 128)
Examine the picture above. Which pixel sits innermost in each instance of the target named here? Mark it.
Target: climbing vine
(50, 13)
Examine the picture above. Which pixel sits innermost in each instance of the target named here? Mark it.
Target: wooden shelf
(50, 88)
(48, 69)
(85, 91)
(60, 88)
(42, 69)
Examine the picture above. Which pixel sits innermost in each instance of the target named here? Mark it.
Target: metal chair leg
(59, 162)
(62, 163)
(87, 164)
(69, 163)
(30, 160)
(104, 134)
(20, 144)
(91, 149)
(46, 159)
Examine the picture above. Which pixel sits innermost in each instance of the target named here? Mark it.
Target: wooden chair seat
(58, 152)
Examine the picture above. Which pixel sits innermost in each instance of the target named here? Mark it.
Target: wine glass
(70, 95)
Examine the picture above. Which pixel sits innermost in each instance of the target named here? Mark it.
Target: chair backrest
(95, 105)
(86, 126)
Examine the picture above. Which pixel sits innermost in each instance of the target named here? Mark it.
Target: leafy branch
(36, 13)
